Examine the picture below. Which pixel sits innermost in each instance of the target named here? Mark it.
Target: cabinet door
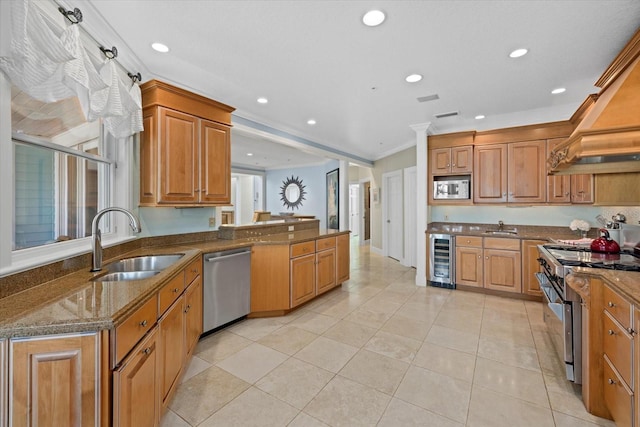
(303, 276)
(54, 381)
(325, 270)
(193, 314)
(4, 383)
(502, 270)
(527, 171)
(462, 160)
(582, 188)
(490, 174)
(135, 387)
(215, 163)
(558, 186)
(343, 255)
(530, 266)
(178, 157)
(171, 347)
(149, 157)
(270, 281)
(440, 161)
(469, 266)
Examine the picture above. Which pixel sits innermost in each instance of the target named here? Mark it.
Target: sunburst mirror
(292, 193)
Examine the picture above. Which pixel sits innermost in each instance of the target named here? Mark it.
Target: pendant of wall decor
(292, 192)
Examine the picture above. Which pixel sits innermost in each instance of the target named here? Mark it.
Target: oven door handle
(555, 307)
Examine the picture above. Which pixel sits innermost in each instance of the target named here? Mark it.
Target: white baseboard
(375, 250)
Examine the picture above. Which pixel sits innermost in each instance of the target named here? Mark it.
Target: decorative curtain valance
(50, 63)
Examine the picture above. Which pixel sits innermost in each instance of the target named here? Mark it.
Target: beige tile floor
(381, 351)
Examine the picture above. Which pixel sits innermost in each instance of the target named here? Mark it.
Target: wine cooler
(441, 261)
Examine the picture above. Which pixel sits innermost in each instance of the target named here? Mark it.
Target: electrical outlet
(446, 217)
(212, 221)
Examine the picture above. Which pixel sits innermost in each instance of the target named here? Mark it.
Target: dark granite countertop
(626, 283)
(524, 232)
(73, 303)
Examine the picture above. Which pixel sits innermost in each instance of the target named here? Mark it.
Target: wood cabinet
(490, 174)
(286, 276)
(531, 266)
(582, 188)
(135, 386)
(447, 161)
(343, 257)
(185, 149)
(526, 172)
(54, 380)
(490, 262)
(469, 261)
(171, 329)
(193, 314)
(558, 186)
(4, 383)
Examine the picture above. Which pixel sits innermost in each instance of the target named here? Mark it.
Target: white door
(410, 222)
(354, 209)
(393, 208)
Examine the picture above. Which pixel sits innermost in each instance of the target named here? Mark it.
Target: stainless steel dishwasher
(227, 287)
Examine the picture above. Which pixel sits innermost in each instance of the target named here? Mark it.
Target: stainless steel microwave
(452, 189)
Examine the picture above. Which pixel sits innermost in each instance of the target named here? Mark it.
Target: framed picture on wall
(333, 201)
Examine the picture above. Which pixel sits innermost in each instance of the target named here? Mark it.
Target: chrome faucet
(500, 225)
(96, 235)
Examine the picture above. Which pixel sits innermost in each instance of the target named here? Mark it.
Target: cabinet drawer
(170, 292)
(134, 328)
(192, 271)
(322, 244)
(618, 346)
(617, 396)
(617, 307)
(471, 241)
(305, 248)
(499, 243)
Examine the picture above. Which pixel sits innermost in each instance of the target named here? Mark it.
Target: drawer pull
(176, 290)
(610, 304)
(143, 323)
(610, 331)
(147, 350)
(612, 382)
(186, 310)
(195, 271)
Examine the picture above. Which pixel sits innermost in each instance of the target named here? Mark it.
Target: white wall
(314, 180)
(245, 204)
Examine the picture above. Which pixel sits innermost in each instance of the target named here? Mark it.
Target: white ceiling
(315, 59)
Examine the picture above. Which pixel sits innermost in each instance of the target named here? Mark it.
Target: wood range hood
(607, 138)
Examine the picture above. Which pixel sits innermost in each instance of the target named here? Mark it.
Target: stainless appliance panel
(227, 287)
(452, 189)
(441, 260)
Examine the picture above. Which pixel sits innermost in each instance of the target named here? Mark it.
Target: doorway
(392, 215)
(365, 187)
(354, 209)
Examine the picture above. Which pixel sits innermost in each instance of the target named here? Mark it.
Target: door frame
(410, 227)
(361, 239)
(384, 198)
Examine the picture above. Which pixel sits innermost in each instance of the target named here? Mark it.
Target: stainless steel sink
(126, 275)
(502, 232)
(154, 263)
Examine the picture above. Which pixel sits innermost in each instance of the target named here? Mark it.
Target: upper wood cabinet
(456, 160)
(511, 173)
(185, 149)
(582, 188)
(558, 186)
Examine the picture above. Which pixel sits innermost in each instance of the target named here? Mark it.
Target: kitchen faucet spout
(96, 235)
(500, 225)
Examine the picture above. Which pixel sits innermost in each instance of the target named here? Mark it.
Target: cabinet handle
(486, 257)
(197, 190)
(479, 256)
(504, 194)
(448, 165)
(567, 194)
(147, 350)
(195, 270)
(468, 241)
(453, 165)
(186, 310)
(611, 381)
(143, 323)
(631, 331)
(610, 332)
(610, 304)
(176, 290)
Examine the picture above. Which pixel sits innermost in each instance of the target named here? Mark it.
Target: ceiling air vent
(443, 115)
(428, 98)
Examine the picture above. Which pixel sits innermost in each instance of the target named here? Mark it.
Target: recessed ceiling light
(480, 117)
(249, 154)
(558, 90)
(373, 18)
(311, 122)
(518, 53)
(413, 78)
(262, 100)
(159, 47)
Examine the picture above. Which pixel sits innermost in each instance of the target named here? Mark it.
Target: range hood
(607, 139)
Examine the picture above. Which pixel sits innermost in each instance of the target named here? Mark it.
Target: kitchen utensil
(601, 220)
(605, 244)
(619, 217)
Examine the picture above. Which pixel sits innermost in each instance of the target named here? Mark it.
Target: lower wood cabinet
(171, 329)
(326, 266)
(343, 261)
(531, 266)
(135, 386)
(4, 383)
(469, 266)
(193, 314)
(54, 381)
(303, 282)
